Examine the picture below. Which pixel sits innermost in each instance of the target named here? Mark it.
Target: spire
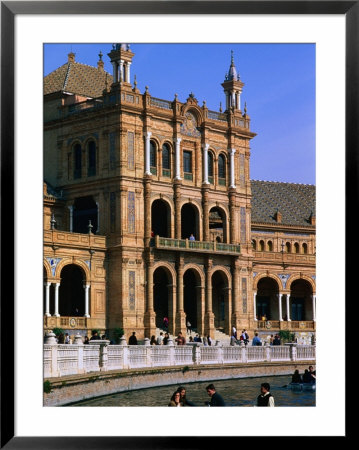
(100, 63)
(232, 72)
(232, 86)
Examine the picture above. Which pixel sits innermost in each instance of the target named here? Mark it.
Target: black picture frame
(9, 9)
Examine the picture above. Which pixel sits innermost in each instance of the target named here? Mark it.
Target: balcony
(198, 246)
(295, 325)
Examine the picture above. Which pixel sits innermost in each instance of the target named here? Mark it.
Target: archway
(162, 295)
(220, 301)
(44, 290)
(85, 209)
(301, 305)
(267, 299)
(72, 292)
(191, 298)
(189, 221)
(161, 218)
(217, 225)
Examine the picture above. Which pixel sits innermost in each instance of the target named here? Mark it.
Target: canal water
(238, 392)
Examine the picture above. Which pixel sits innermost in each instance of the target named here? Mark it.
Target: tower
(121, 59)
(232, 86)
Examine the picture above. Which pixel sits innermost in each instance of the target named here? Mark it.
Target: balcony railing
(293, 325)
(200, 246)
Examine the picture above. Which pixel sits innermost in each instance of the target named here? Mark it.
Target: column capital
(147, 134)
(86, 286)
(232, 151)
(47, 283)
(205, 146)
(177, 140)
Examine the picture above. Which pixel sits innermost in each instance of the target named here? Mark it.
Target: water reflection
(236, 392)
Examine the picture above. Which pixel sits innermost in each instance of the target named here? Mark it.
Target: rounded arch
(296, 247)
(161, 218)
(296, 277)
(270, 246)
(261, 246)
(260, 276)
(165, 198)
(211, 165)
(168, 268)
(195, 111)
(305, 248)
(47, 268)
(218, 224)
(197, 269)
(225, 271)
(254, 244)
(66, 261)
(222, 162)
(191, 216)
(71, 291)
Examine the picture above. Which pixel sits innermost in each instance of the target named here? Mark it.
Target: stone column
(121, 71)
(86, 287)
(177, 199)
(57, 285)
(280, 307)
(150, 315)
(150, 286)
(178, 159)
(232, 180)
(255, 305)
(128, 77)
(147, 206)
(147, 135)
(288, 309)
(232, 216)
(205, 189)
(209, 316)
(236, 294)
(47, 299)
(115, 71)
(314, 299)
(205, 163)
(71, 209)
(180, 314)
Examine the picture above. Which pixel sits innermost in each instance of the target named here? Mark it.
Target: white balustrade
(64, 359)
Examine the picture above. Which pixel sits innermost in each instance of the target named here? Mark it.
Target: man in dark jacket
(133, 339)
(216, 399)
(265, 398)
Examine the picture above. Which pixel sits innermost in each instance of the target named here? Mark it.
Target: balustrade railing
(61, 359)
(207, 246)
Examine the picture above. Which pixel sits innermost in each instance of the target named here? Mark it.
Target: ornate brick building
(149, 211)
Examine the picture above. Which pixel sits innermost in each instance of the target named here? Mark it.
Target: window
(254, 244)
(221, 167)
(261, 246)
(153, 158)
(91, 159)
(305, 249)
(210, 164)
(288, 247)
(187, 162)
(270, 246)
(166, 161)
(77, 161)
(296, 247)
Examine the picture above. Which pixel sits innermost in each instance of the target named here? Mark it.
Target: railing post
(267, 352)
(220, 354)
(172, 351)
(80, 353)
(103, 356)
(293, 352)
(125, 360)
(148, 352)
(196, 349)
(50, 339)
(186, 243)
(244, 352)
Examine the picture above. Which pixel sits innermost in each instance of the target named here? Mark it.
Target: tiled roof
(294, 201)
(78, 79)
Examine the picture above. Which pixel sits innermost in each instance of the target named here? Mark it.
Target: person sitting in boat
(307, 378)
(296, 377)
(312, 374)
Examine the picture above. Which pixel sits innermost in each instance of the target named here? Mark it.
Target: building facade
(149, 212)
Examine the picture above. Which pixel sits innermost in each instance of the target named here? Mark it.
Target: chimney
(278, 216)
(71, 57)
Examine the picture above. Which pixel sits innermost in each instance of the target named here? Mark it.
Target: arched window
(77, 161)
(270, 246)
(221, 170)
(287, 247)
(296, 247)
(254, 244)
(153, 158)
(91, 169)
(261, 246)
(166, 162)
(210, 167)
(305, 249)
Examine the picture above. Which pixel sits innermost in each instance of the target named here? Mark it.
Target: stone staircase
(218, 336)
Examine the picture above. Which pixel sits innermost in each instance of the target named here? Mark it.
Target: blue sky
(279, 90)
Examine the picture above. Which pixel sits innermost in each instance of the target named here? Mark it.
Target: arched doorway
(192, 299)
(85, 209)
(44, 290)
(301, 304)
(189, 221)
(162, 296)
(217, 225)
(220, 301)
(161, 218)
(72, 292)
(267, 299)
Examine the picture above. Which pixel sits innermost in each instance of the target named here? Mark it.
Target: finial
(53, 221)
(204, 103)
(232, 57)
(176, 96)
(220, 106)
(135, 82)
(90, 226)
(245, 107)
(146, 87)
(100, 55)
(191, 95)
